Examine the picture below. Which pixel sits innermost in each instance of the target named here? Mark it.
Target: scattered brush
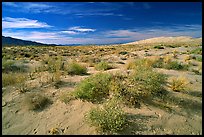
(178, 84)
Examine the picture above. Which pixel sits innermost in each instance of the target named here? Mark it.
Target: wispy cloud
(77, 9)
(79, 29)
(108, 36)
(69, 32)
(9, 22)
(31, 7)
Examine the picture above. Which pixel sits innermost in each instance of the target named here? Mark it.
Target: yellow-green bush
(94, 88)
(109, 118)
(103, 66)
(74, 68)
(13, 78)
(178, 84)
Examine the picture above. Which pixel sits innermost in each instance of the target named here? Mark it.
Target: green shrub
(196, 51)
(123, 52)
(94, 88)
(102, 66)
(147, 81)
(36, 101)
(158, 47)
(76, 69)
(142, 83)
(199, 59)
(176, 66)
(10, 66)
(109, 119)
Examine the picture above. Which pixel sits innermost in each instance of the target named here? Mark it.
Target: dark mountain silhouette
(9, 41)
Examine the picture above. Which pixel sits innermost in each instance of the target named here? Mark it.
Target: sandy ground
(182, 117)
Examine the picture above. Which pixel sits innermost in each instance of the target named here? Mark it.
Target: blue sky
(99, 22)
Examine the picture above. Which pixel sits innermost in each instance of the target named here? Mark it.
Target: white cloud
(79, 29)
(69, 32)
(9, 22)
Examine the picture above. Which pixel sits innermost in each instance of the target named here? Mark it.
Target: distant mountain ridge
(163, 40)
(9, 41)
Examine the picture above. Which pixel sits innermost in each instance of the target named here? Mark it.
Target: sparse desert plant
(54, 64)
(94, 88)
(175, 52)
(67, 97)
(110, 118)
(103, 66)
(167, 59)
(178, 84)
(13, 78)
(23, 87)
(36, 101)
(187, 58)
(74, 68)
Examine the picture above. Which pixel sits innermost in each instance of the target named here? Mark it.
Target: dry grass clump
(178, 84)
(67, 97)
(140, 63)
(36, 101)
(13, 78)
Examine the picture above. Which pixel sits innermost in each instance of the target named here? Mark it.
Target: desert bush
(13, 78)
(67, 97)
(158, 63)
(147, 81)
(74, 68)
(55, 64)
(10, 66)
(171, 46)
(123, 52)
(7, 65)
(199, 58)
(94, 88)
(140, 63)
(196, 51)
(110, 118)
(178, 84)
(158, 47)
(36, 101)
(103, 66)
(176, 66)
(175, 52)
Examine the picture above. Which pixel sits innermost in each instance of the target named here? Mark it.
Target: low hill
(168, 40)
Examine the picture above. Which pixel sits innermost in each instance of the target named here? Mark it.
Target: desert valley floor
(178, 113)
